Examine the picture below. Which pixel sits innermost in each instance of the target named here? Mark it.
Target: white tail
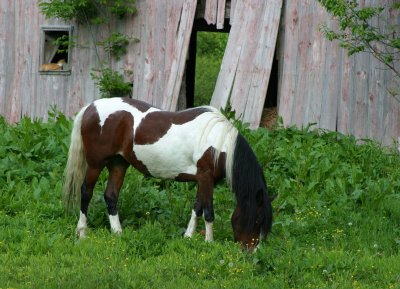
(76, 164)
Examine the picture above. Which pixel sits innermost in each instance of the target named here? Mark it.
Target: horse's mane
(226, 138)
(248, 183)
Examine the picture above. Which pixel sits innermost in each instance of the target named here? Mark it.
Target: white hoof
(81, 232)
(115, 224)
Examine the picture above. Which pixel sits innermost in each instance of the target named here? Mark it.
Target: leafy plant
(111, 83)
(87, 11)
(64, 43)
(116, 44)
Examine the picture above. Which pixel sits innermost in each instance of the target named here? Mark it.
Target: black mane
(250, 188)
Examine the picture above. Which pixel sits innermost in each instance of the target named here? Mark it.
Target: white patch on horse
(82, 226)
(191, 226)
(115, 224)
(183, 145)
(107, 106)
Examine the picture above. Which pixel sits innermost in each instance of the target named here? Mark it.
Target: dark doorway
(200, 26)
(271, 100)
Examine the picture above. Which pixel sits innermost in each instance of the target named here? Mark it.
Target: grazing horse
(197, 144)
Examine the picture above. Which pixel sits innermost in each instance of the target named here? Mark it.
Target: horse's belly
(165, 162)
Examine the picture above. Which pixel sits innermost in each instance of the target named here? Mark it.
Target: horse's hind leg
(117, 169)
(92, 174)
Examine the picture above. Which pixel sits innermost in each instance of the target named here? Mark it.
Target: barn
(272, 43)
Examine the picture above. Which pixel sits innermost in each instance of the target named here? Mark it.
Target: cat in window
(53, 66)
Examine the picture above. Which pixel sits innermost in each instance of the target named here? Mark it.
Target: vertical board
(184, 30)
(214, 13)
(220, 14)
(165, 29)
(210, 14)
(247, 61)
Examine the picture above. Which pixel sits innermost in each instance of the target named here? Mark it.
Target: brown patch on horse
(206, 162)
(204, 165)
(115, 137)
(138, 104)
(156, 124)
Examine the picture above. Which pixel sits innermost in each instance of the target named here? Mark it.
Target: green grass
(210, 51)
(337, 219)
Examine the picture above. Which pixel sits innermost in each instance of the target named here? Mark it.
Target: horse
(194, 145)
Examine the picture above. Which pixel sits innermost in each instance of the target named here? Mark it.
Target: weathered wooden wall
(24, 91)
(157, 60)
(319, 83)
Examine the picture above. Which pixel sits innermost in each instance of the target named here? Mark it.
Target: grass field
(337, 219)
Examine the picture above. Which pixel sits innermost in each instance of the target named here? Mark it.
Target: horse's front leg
(203, 207)
(191, 228)
(117, 169)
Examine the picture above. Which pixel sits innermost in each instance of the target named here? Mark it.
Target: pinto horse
(197, 144)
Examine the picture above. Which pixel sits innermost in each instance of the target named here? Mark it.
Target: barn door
(246, 66)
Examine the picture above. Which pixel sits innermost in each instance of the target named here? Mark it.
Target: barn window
(55, 50)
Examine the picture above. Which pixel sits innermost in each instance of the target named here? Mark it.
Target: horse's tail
(76, 165)
(246, 179)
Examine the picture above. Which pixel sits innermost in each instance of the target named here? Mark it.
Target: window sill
(55, 72)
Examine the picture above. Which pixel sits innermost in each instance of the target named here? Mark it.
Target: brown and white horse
(198, 145)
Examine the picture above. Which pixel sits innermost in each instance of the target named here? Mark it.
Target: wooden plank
(148, 51)
(246, 65)
(15, 97)
(250, 26)
(288, 61)
(232, 11)
(262, 63)
(225, 80)
(210, 14)
(184, 29)
(160, 71)
(6, 24)
(174, 11)
(318, 65)
(302, 64)
(139, 64)
(361, 79)
(344, 101)
(314, 80)
(221, 14)
(332, 84)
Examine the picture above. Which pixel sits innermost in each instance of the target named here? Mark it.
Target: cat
(52, 66)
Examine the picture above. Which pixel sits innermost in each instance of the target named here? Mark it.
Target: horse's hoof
(81, 233)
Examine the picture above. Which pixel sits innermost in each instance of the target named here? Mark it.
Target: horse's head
(249, 231)
(248, 237)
